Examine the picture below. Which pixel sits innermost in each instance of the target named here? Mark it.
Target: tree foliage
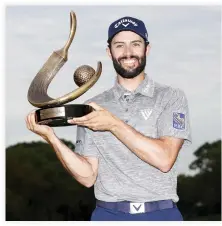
(200, 195)
(39, 188)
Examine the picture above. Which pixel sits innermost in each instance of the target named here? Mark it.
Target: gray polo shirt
(154, 110)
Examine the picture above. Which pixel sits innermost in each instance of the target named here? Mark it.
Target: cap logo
(125, 23)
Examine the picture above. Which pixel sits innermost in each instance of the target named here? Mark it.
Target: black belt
(131, 207)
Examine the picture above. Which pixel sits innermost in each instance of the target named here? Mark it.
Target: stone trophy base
(58, 116)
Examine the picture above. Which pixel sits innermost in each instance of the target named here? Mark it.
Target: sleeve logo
(178, 120)
(78, 142)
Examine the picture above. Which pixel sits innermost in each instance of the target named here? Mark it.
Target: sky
(185, 53)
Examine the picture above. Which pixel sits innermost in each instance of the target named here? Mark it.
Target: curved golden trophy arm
(37, 93)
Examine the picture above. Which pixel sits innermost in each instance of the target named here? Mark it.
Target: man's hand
(100, 119)
(42, 130)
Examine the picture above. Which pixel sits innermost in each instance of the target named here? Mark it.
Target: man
(128, 146)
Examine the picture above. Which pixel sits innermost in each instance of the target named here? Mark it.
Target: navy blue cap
(128, 24)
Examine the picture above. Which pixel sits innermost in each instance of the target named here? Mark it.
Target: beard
(129, 73)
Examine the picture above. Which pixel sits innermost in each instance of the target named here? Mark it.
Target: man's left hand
(100, 119)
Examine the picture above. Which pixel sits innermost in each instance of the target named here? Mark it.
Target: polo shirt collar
(146, 88)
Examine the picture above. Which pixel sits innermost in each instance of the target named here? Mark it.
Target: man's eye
(119, 46)
(136, 44)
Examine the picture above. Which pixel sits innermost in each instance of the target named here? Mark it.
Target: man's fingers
(32, 120)
(31, 123)
(90, 116)
(95, 106)
(90, 125)
(87, 117)
(27, 123)
(87, 123)
(28, 120)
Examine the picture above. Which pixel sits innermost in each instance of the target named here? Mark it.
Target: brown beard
(132, 73)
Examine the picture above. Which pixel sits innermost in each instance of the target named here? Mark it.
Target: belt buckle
(136, 207)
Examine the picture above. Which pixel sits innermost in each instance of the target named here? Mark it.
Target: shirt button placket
(126, 97)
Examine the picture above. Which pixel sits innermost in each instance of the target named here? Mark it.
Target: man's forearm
(152, 151)
(75, 164)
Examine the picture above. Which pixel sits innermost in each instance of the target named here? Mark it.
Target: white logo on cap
(128, 21)
(125, 25)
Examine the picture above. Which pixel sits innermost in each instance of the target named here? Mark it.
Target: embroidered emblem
(146, 113)
(125, 25)
(78, 142)
(178, 120)
(127, 21)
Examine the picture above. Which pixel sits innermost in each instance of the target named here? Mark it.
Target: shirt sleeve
(84, 143)
(174, 120)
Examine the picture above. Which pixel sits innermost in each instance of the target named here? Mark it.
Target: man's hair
(109, 43)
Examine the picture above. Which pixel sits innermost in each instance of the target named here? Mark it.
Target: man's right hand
(44, 131)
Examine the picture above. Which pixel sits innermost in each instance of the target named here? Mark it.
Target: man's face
(128, 53)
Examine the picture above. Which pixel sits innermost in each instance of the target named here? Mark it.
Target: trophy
(55, 112)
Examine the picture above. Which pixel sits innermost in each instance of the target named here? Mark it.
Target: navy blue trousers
(102, 214)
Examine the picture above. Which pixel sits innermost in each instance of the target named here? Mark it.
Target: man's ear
(148, 47)
(108, 52)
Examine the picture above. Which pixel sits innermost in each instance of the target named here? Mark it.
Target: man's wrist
(116, 123)
(50, 137)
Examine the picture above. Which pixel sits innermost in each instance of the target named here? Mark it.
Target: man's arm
(83, 169)
(160, 153)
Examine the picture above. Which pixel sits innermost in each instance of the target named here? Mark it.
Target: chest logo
(146, 113)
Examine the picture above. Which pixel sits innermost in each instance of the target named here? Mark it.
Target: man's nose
(128, 51)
